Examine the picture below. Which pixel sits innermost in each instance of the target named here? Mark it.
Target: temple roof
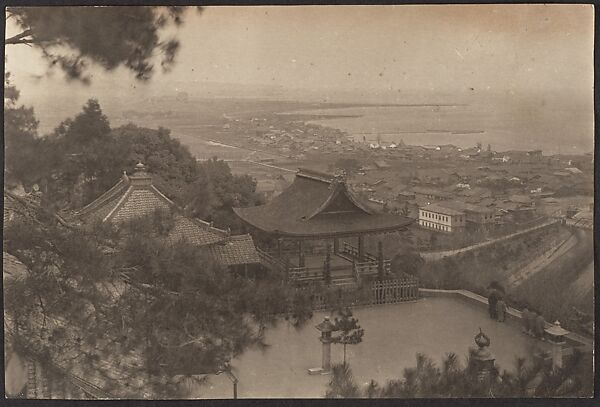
(319, 205)
(131, 197)
(134, 196)
(235, 250)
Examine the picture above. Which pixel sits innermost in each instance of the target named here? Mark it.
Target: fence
(374, 293)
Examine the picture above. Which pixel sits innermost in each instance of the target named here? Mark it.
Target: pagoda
(135, 196)
(314, 214)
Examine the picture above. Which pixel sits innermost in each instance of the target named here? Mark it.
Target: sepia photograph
(298, 202)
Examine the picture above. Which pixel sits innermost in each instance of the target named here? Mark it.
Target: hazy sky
(502, 48)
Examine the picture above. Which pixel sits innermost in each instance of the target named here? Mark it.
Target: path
(432, 256)
(264, 165)
(243, 148)
(543, 260)
(585, 281)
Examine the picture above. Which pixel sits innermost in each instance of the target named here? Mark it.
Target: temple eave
(325, 235)
(329, 229)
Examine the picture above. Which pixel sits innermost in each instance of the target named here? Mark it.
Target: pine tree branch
(19, 38)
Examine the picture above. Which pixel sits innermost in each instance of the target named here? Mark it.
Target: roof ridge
(207, 225)
(103, 198)
(315, 175)
(119, 203)
(240, 237)
(163, 196)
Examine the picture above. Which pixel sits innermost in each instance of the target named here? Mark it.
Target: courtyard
(394, 334)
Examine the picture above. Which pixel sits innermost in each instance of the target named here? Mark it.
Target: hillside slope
(552, 270)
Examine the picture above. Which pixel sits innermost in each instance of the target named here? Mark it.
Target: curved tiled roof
(126, 200)
(102, 205)
(135, 196)
(318, 205)
(195, 231)
(235, 250)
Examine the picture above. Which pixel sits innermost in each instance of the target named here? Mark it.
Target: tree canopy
(72, 38)
(407, 263)
(168, 306)
(84, 157)
(451, 379)
(127, 293)
(20, 131)
(347, 328)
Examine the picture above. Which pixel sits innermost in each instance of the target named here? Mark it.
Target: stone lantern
(326, 328)
(556, 337)
(482, 357)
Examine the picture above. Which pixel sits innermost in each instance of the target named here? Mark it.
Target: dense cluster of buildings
(473, 188)
(459, 194)
(287, 136)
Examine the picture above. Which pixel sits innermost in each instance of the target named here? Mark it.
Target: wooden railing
(352, 251)
(371, 267)
(366, 268)
(293, 252)
(375, 293)
(394, 291)
(303, 274)
(271, 261)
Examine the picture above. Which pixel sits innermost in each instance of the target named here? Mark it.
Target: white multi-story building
(455, 216)
(440, 218)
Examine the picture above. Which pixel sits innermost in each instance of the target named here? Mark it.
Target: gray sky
(503, 48)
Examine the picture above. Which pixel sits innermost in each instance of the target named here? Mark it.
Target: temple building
(317, 219)
(135, 195)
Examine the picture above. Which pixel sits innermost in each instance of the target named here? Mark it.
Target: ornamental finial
(482, 340)
(339, 178)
